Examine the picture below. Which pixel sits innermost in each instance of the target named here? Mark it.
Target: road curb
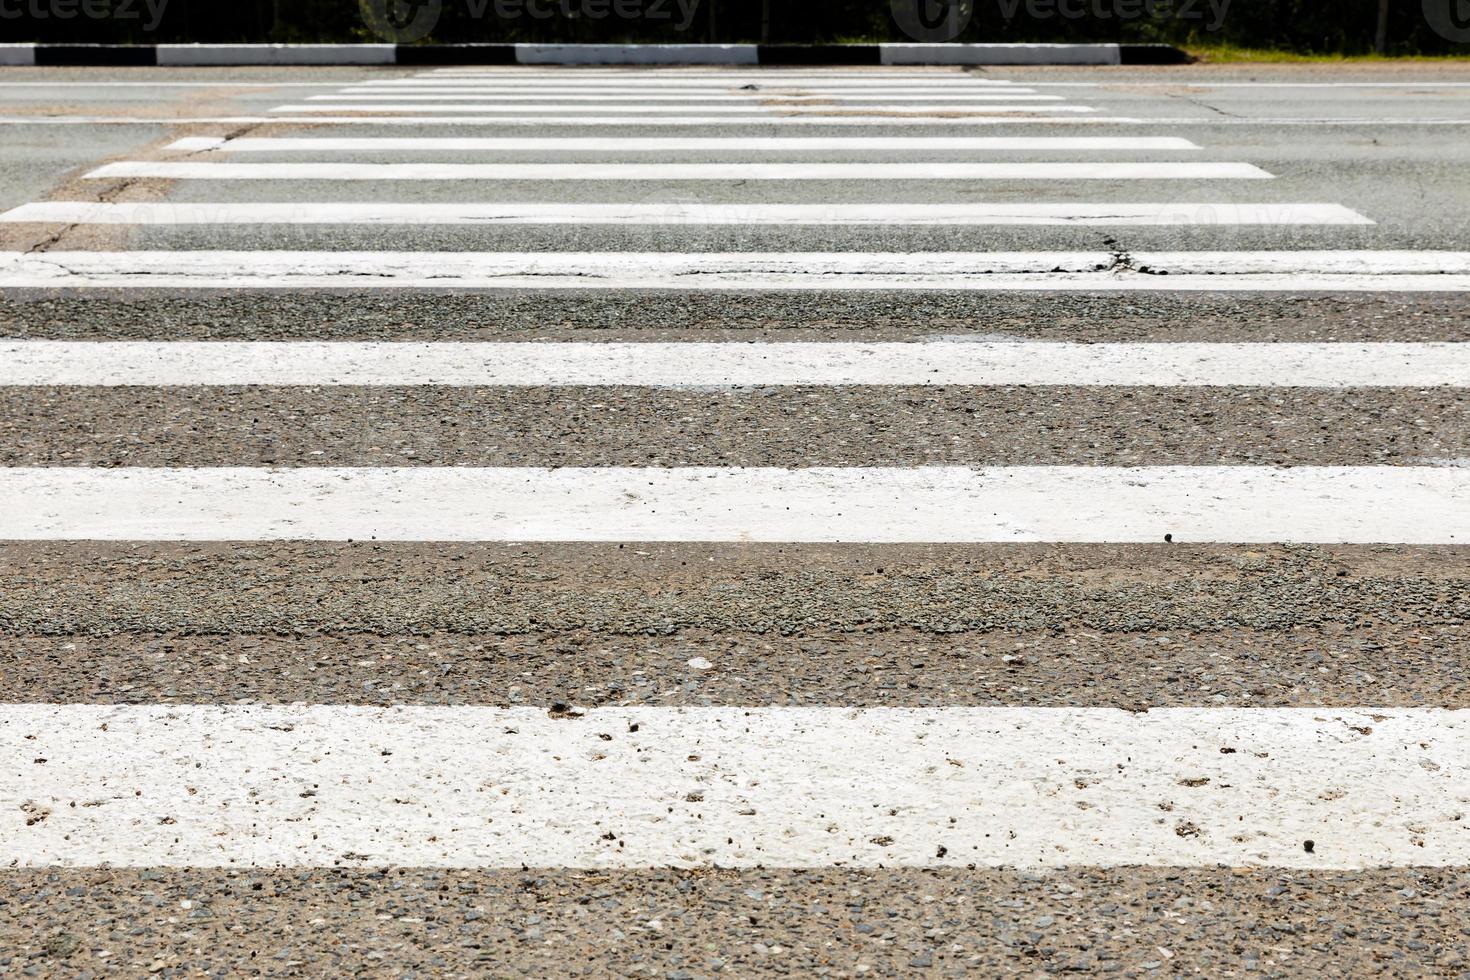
(588, 54)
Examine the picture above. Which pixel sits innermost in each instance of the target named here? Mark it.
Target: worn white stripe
(541, 122)
(1232, 504)
(681, 213)
(341, 785)
(780, 120)
(1383, 271)
(654, 81)
(930, 111)
(673, 365)
(730, 90)
(911, 170)
(111, 82)
(750, 101)
(1200, 83)
(644, 144)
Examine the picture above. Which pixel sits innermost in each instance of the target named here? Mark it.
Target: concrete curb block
(589, 54)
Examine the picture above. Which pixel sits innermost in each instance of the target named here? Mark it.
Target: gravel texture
(101, 588)
(1330, 666)
(1132, 922)
(445, 315)
(765, 426)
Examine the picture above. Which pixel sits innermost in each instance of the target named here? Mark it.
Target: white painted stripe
(674, 365)
(197, 144)
(1295, 271)
(943, 111)
(1231, 504)
(541, 122)
(680, 213)
(645, 144)
(916, 170)
(722, 123)
(717, 79)
(746, 102)
(729, 90)
(647, 79)
(531, 71)
(755, 89)
(111, 82)
(637, 54)
(801, 787)
(1422, 83)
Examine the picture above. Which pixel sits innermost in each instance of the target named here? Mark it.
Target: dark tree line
(1325, 26)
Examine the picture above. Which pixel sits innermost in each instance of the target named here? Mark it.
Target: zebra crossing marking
(1253, 271)
(694, 364)
(813, 170)
(732, 787)
(877, 505)
(645, 144)
(1174, 214)
(772, 101)
(816, 110)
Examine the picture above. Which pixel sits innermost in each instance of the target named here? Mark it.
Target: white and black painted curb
(590, 54)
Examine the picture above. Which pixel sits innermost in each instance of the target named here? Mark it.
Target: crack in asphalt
(113, 192)
(1203, 105)
(1122, 259)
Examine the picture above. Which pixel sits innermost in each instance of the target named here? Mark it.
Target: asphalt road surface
(690, 522)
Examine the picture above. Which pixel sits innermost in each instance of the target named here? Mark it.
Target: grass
(1225, 54)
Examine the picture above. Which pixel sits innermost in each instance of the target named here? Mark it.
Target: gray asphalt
(1309, 665)
(1388, 143)
(104, 588)
(1134, 627)
(762, 426)
(671, 315)
(1129, 922)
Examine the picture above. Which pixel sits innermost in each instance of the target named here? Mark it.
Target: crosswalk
(212, 532)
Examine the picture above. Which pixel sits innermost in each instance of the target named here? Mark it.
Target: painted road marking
(721, 80)
(1295, 271)
(682, 213)
(915, 170)
(643, 144)
(1227, 504)
(327, 785)
(783, 120)
(1329, 365)
(931, 112)
(772, 99)
(542, 122)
